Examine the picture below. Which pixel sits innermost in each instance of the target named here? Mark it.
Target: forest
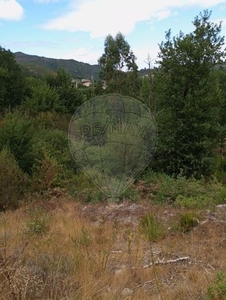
(43, 192)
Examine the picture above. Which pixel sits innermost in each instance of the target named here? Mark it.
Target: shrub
(13, 181)
(45, 174)
(43, 98)
(16, 133)
(187, 222)
(54, 142)
(52, 120)
(187, 193)
(151, 227)
(199, 201)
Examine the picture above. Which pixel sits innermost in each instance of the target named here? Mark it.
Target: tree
(42, 97)
(69, 97)
(119, 69)
(187, 98)
(146, 86)
(12, 85)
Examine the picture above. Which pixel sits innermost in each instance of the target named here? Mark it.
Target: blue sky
(76, 29)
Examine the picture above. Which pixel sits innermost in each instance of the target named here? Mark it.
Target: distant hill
(40, 66)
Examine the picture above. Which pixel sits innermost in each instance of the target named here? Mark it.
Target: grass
(65, 249)
(164, 239)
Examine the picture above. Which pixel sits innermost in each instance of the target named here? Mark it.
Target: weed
(83, 239)
(218, 290)
(187, 221)
(38, 223)
(151, 227)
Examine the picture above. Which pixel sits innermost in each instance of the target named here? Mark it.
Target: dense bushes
(16, 133)
(14, 182)
(185, 193)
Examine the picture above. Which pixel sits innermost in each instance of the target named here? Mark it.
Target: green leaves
(119, 69)
(12, 86)
(187, 95)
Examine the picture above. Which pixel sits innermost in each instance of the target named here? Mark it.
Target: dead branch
(165, 262)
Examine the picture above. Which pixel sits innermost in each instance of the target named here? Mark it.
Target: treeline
(186, 93)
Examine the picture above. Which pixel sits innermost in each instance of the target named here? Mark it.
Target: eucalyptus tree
(119, 68)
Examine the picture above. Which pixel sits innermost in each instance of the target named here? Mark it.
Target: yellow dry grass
(97, 252)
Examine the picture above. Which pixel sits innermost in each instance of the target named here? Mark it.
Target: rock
(221, 207)
(127, 292)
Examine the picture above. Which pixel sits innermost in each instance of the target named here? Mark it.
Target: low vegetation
(60, 248)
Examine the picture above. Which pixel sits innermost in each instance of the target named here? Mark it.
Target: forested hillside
(42, 65)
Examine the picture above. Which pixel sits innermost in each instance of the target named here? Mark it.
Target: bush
(13, 181)
(51, 120)
(43, 98)
(187, 221)
(45, 174)
(199, 201)
(185, 193)
(16, 133)
(55, 143)
(151, 227)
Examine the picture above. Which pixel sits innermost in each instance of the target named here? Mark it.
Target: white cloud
(11, 10)
(101, 17)
(89, 55)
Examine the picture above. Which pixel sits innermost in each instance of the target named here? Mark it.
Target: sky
(77, 29)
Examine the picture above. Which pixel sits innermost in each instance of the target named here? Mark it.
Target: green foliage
(42, 98)
(199, 201)
(12, 86)
(131, 193)
(185, 193)
(187, 93)
(54, 164)
(146, 88)
(42, 66)
(16, 133)
(119, 69)
(55, 143)
(69, 97)
(218, 289)
(151, 227)
(187, 221)
(83, 189)
(13, 181)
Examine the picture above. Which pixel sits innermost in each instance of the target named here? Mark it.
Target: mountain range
(40, 66)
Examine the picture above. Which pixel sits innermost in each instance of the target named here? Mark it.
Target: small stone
(221, 206)
(127, 292)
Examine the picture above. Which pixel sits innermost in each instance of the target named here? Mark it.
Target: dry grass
(96, 251)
